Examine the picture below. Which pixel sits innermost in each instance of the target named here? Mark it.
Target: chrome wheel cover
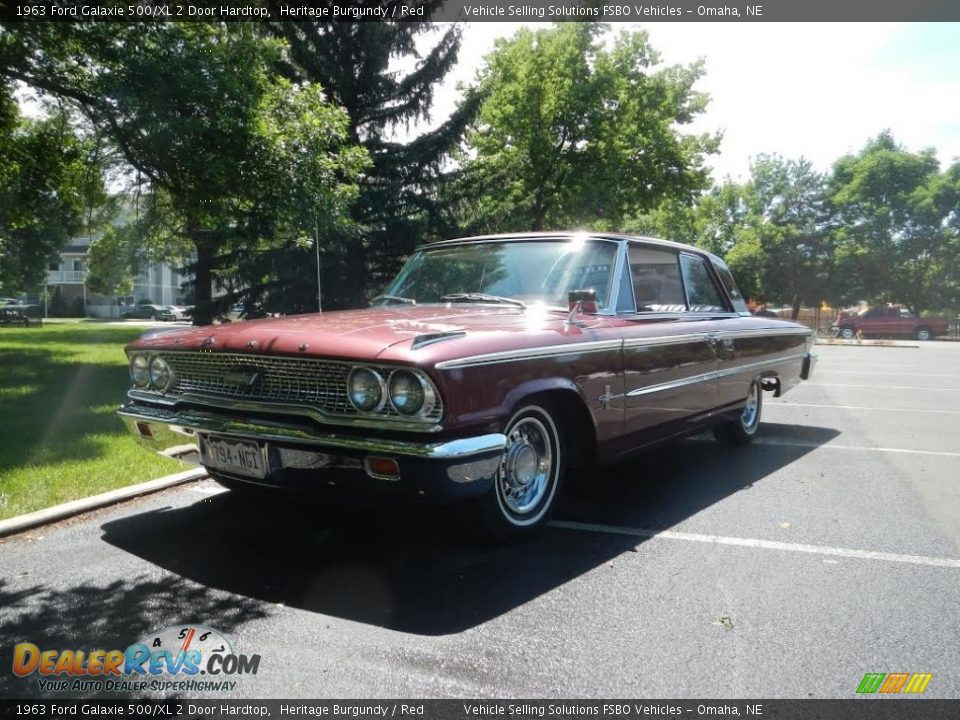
(527, 469)
(750, 417)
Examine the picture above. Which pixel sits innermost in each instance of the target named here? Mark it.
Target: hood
(354, 334)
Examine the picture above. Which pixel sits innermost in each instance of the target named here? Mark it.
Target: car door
(669, 359)
(872, 322)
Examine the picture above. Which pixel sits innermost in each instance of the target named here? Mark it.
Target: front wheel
(529, 477)
(847, 332)
(742, 430)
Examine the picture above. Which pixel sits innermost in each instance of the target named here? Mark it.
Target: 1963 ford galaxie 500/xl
(489, 370)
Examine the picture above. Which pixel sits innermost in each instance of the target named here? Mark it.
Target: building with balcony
(158, 283)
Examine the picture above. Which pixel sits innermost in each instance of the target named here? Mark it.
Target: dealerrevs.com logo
(175, 659)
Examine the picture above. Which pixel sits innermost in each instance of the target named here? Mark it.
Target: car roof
(567, 235)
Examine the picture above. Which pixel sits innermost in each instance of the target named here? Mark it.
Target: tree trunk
(795, 310)
(203, 311)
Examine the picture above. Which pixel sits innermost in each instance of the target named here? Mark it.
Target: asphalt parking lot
(828, 549)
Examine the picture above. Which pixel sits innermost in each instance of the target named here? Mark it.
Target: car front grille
(318, 384)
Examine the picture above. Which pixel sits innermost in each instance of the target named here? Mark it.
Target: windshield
(536, 271)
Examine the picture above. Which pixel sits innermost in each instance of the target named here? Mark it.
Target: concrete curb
(75, 507)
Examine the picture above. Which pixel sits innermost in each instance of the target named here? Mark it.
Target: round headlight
(365, 388)
(406, 392)
(138, 370)
(160, 373)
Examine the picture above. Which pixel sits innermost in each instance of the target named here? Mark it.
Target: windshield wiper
(396, 299)
(482, 297)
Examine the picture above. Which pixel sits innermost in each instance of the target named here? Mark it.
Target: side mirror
(582, 301)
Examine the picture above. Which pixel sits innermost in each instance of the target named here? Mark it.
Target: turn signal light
(382, 468)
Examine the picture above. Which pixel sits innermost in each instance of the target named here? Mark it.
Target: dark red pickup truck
(891, 321)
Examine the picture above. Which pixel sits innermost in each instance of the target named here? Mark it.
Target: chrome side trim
(171, 401)
(280, 432)
(737, 334)
(679, 315)
(660, 387)
(665, 340)
(531, 354)
(715, 375)
(602, 345)
(761, 365)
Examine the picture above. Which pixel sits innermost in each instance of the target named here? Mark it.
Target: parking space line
(897, 374)
(756, 543)
(857, 448)
(882, 387)
(767, 406)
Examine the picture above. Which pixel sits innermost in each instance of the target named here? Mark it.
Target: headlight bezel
(378, 377)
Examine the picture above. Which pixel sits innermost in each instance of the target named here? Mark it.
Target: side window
(733, 292)
(656, 280)
(702, 294)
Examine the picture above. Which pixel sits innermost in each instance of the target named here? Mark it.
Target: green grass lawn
(59, 436)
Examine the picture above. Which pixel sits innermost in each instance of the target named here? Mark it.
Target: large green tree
(783, 247)
(197, 110)
(50, 177)
(576, 131)
(896, 218)
(384, 75)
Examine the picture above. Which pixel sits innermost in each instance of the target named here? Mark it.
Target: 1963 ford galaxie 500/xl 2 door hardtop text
(489, 370)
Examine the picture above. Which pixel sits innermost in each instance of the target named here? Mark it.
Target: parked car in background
(147, 311)
(890, 321)
(490, 370)
(180, 312)
(17, 315)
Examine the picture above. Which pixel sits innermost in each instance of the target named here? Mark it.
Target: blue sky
(813, 89)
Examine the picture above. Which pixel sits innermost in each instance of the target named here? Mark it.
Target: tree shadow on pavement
(411, 569)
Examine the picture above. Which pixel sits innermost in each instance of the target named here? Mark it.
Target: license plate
(234, 456)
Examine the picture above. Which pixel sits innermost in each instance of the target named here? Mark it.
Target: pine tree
(395, 210)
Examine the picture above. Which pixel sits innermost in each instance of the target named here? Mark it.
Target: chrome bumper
(462, 460)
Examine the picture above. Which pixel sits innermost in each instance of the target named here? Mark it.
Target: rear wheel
(742, 430)
(923, 334)
(530, 475)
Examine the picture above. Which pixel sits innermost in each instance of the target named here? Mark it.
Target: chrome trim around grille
(312, 387)
(359, 421)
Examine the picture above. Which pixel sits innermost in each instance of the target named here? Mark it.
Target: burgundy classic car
(489, 370)
(890, 321)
